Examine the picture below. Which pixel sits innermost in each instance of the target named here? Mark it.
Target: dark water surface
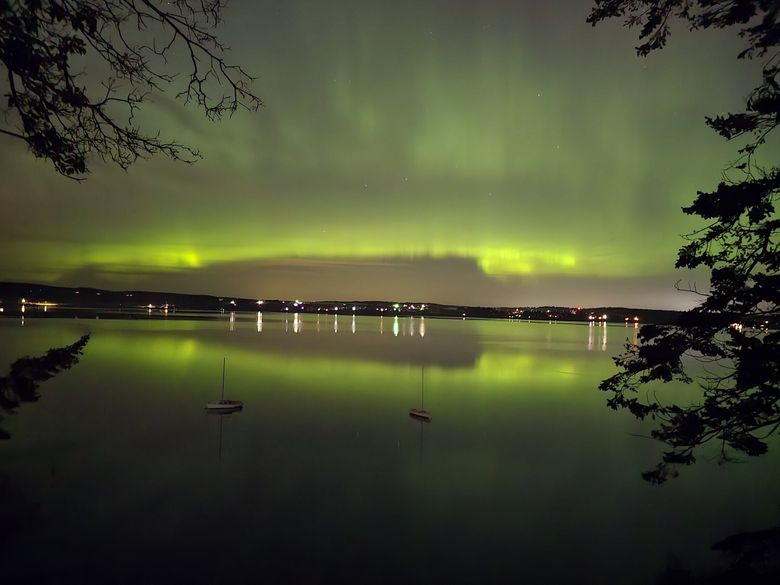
(117, 475)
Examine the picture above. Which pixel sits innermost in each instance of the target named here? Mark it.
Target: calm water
(118, 476)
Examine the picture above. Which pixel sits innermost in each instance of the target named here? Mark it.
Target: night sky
(493, 153)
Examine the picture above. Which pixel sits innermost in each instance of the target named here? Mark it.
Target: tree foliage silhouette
(26, 374)
(74, 73)
(732, 334)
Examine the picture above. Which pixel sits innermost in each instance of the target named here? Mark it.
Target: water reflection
(421, 440)
(330, 453)
(221, 416)
(27, 374)
(17, 511)
(602, 326)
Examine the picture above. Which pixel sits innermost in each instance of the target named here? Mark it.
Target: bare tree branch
(51, 107)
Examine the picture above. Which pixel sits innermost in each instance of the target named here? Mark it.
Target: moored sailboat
(420, 413)
(223, 405)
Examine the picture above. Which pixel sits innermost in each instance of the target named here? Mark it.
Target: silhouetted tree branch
(26, 374)
(732, 334)
(129, 48)
(751, 558)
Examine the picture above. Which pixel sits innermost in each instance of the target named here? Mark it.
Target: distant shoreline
(52, 301)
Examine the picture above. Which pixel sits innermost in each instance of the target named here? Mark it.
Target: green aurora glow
(493, 153)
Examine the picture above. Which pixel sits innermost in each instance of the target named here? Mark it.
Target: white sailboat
(223, 405)
(420, 413)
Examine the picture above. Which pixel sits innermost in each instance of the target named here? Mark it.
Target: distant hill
(39, 296)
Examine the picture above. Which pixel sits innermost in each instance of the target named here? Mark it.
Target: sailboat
(224, 405)
(420, 413)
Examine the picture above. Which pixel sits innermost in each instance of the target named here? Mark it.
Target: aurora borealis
(495, 153)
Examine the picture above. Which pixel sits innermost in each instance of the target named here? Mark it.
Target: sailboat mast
(223, 378)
